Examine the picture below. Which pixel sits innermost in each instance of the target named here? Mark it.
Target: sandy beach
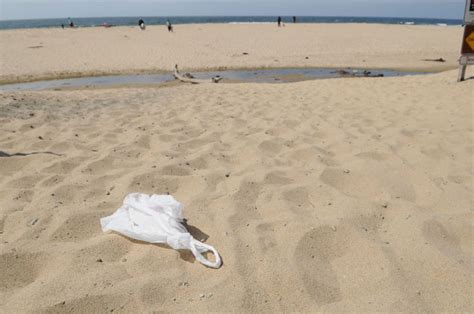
(321, 196)
(49, 53)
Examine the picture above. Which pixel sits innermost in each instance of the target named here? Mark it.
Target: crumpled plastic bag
(157, 219)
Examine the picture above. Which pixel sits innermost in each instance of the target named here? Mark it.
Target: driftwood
(435, 60)
(189, 78)
(5, 154)
(365, 73)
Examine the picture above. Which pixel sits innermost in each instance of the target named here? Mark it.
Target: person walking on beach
(169, 26)
(279, 21)
(294, 19)
(70, 22)
(141, 24)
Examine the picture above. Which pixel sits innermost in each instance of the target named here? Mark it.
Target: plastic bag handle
(195, 243)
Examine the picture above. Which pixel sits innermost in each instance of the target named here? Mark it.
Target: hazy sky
(24, 9)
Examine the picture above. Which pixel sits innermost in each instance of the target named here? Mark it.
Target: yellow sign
(470, 40)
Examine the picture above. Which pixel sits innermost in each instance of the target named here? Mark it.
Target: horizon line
(154, 16)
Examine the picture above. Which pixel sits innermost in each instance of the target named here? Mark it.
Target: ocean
(160, 20)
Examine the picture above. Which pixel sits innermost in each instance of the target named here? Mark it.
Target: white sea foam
(251, 22)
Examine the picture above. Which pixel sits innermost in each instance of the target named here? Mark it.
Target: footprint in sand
(298, 199)
(157, 292)
(79, 227)
(24, 196)
(94, 304)
(61, 147)
(110, 163)
(168, 138)
(245, 205)
(70, 193)
(313, 154)
(154, 183)
(373, 156)
(19, 270)
(64, 166)
(154, 256)
(112, 248)
(277, 178)
(271, 146)
(446, 242)
(247, 195)
(175, 170)
(198, 163)
(143, 142)
(2, 223)
(198, 143)
(52, 181)
(212, 180)
(26, 182)
(266, 240)
(14, 165)
(369, 182)
(314, 254)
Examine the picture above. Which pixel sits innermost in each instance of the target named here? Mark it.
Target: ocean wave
(251, 23)
(249, 20)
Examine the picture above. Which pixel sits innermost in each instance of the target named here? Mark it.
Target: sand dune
(331, 195)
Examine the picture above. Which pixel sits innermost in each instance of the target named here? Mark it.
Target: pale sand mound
(332, 195)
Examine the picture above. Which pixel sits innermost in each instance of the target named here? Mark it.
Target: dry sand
(29, 54)
(330, 195)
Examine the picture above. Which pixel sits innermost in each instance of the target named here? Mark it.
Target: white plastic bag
(157, 219)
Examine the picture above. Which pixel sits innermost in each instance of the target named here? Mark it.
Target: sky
(30, 9)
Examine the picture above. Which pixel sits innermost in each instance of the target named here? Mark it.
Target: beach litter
(189, 78)
(34, 221)
(157, 219)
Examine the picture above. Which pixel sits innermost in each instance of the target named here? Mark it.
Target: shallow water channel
(230, 76)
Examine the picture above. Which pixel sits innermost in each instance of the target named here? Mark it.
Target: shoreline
(256, 23)
(207, 24)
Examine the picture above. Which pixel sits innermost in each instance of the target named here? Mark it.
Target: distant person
(294, 19)
(70, 22)
(62, 26)
(141, 24)
(169, 26)
(279, 21)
